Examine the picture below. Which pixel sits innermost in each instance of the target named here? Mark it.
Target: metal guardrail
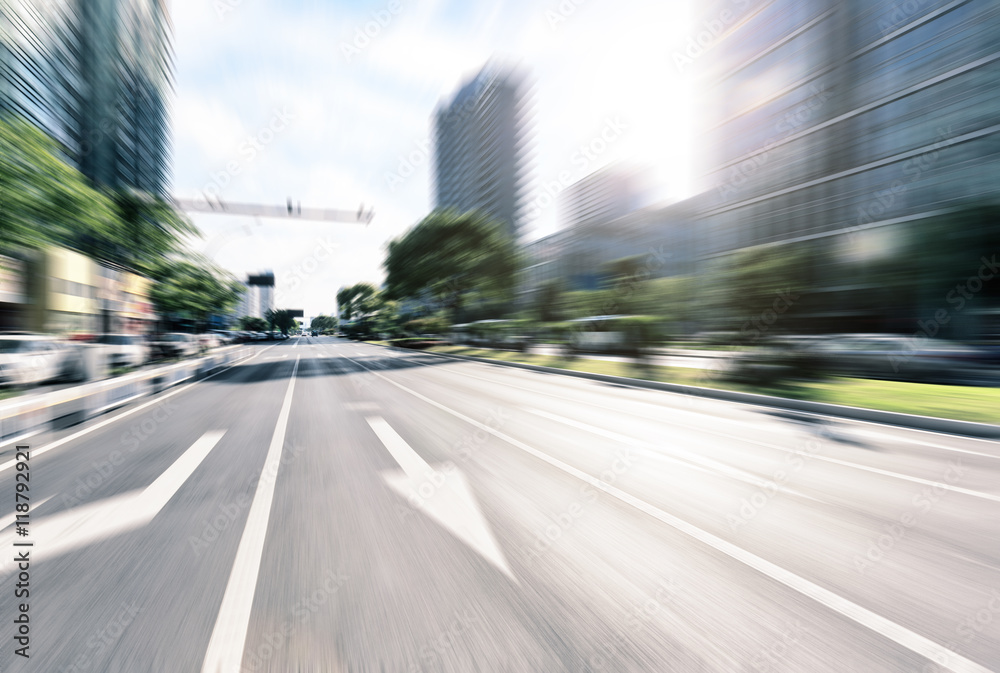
(22, 417)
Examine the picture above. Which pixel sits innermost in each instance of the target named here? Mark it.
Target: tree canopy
(452, 255)
(192, 288)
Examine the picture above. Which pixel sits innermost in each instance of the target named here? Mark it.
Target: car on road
(177, 344)
(125, 350)
(28, 359)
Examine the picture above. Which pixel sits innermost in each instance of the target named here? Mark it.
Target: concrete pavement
(334, 506)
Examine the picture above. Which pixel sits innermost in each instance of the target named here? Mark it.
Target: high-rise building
(94, 75)
(480, 141)
(831, 118)
(257, 297)
(604, 195)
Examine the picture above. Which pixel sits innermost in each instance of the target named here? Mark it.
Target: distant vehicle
(177, 344)
(315, 333)
(608, 334)
(893, 356)
(496, 333)
(27, 359)
(125, 350)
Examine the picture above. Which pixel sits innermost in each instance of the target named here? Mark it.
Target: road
(340, 507)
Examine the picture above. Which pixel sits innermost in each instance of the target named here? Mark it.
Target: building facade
(95, 76)
(480, 141)
(847, 123)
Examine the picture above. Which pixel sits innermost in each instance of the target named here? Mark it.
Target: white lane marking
(451, 502)
(84, 525)
(774, 447)
(911, 640)
(225, 648)
(690, 460)
(159, 397)
(876, 427)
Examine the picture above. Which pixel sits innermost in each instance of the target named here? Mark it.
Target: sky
(330, 103)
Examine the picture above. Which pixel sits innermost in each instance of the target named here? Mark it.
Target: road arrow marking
(84, 525)
(443, 495)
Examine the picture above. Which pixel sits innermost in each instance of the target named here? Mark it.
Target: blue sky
(276, 101)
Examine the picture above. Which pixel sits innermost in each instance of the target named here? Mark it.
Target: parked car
(909, 358)
(125, 350)
(27, 359)
(177, 344)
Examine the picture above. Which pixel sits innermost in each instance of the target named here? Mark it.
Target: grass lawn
(966, 403)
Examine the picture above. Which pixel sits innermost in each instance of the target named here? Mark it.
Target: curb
(60, 409)
(911, 421)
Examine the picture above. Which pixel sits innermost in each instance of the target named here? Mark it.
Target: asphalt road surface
(327, 506)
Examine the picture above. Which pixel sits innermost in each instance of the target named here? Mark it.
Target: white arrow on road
(443, 495)
(86, 524)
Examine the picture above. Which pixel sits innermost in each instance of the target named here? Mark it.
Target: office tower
(94, 75)
(480, 145)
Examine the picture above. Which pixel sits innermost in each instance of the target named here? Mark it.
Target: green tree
(282, 319)
(450, 256)
(357, 301)
(43, 199)
(249, 323)
(323, 323)
(151, 228)
(192, 288)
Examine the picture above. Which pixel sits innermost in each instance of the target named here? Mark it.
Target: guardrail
(22, 417)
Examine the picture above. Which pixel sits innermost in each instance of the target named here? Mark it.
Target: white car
(178, 344)
(27, 359)
(125, 350)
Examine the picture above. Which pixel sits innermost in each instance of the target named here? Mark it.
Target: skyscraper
(831, 117)
(94, 75)
(479, 141)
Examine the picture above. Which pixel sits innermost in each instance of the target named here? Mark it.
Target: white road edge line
(225, 648)
(45, 448)
(911, 640)
(880, 426)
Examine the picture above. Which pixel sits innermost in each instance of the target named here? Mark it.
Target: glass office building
(95, 76)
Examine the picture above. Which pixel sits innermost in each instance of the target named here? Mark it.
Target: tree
(357, 301)
(192, 288)
(249, 323)
(44, 199)
(282, 319)
(151, 227)
(451, 255)
(323, 323)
